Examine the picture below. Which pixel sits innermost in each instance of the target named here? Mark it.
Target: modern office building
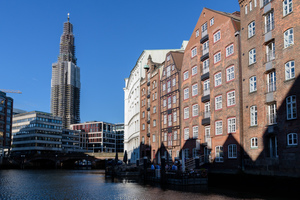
(36, 132)
(271, 95)
(70, 141)
(169, 105)
(65, 82)
(6, 110)
(150, 110)
(99, 136)
(132, 101)
(120, 137)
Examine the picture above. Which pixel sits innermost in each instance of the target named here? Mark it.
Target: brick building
(170, 132)
(150, 110)
(211, 90)
(269, 34)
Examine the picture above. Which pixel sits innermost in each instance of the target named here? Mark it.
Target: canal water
(92, 184)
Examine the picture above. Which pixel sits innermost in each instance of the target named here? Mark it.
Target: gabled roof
(177, 58)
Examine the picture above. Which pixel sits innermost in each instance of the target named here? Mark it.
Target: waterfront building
(271, 95)
(169, 105)
(36, 132)
(6, 110)
(150, 109)
(99, 136)
(132, 101)
(211, 91)
(70, 141)
(65, 82)
(120, 137)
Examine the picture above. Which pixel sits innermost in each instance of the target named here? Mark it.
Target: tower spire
(68, 17)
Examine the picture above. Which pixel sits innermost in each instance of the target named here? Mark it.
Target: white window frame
(186, 133)
(195, 132)
(217, 36)
(292, 139)
(195, 110)
(185, 75)
(271, 81)
(154, 109)
(218, 127)
(174, 99)
(246, 9)
(205, 66)
(168, 86)
(231, 98)
(251, 29)
(195, 89)
(250, 6)
(253, 142)
(291, 107)
(197, 33)
(229, 50)
(186, 93)
(165, 119)
(175, 135)
(143, 126)
(219, 154)
(164, 87)
(288, 36)
(169, 102)
(231, 125)
(186, 113)
(269, 21)
(290, 70)
(253, 116)
(169, 120)
(154, 122)
(232, 151)
(194, 52)
(211, 21)
(174, 81)
(230, 73)
(169, 71)
(217, 57)
(252, 56)
(165, 102)
(218, 79)
(218, 102)
(153, 138)
(252, 84)
(272, 114)
(174, 116)
(194, 70)
(287, 7)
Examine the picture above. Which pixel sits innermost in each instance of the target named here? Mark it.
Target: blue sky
(109, 38)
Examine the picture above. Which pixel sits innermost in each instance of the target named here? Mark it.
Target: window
(174, 81)
(168, 86)
(291, 109)
(229, 50)
(186, 134)
(271, 81)
(205, 66)
(246, 9)
(254, 142)
(195, 132)
(174, 116)
(217, 36)
(289, 70)
(153, 138)
(143, 114)
(272, 114)
(255, 3)
(153, 84)
(165, 136)
(197, 33)
(230, 73)
(186, 93)
(153, 97)
(154, 123)
(169, 102)
(174, 99)
(250, 6)
(165, 119)
(218, 79)
(168, 71)
(204, 29)
(252, 56)
(269, 22)
(186, 113)
(253, 116)
(251, 29)
(195, 110)
(287, 7)
(194, 89)
(231, 125)
(232, 150)
(207, 110)
(194, 70)
(231, 98)
(288, 37)
(212, 21)
(175, 135)
(219, 154)
(185, 75)
(206, 89)
(165, 102)
(164, 87)
(168, 57)
(170, 120)
(270, 50)
(218, 102)
(219, 127)
(154, 109)
(205, 48)
(143, 140)
(217, 57)
(252, 83)
(292, 139)
(194, 52)
(173, 67)
(143, 126)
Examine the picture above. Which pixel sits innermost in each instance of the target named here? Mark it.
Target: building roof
(177, 58)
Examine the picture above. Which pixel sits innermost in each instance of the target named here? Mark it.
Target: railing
(272, 118)
(206, 92)
(204, 33)
(205, 70)
(271, 87)
(205, 51)
(270, 55)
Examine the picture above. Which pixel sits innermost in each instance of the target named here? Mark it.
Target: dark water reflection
(85, 184)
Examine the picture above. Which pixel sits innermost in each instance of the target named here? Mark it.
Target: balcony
(148, 109)
(148, 134)
(148, 96)
(204, 76)
(206, 96)
(204, 56)
(204, 37)
(206, 118)
(148, 83)
(204, 33)
(148, 122)
(272, 119)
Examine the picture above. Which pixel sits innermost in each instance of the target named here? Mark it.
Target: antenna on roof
(68, 17)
